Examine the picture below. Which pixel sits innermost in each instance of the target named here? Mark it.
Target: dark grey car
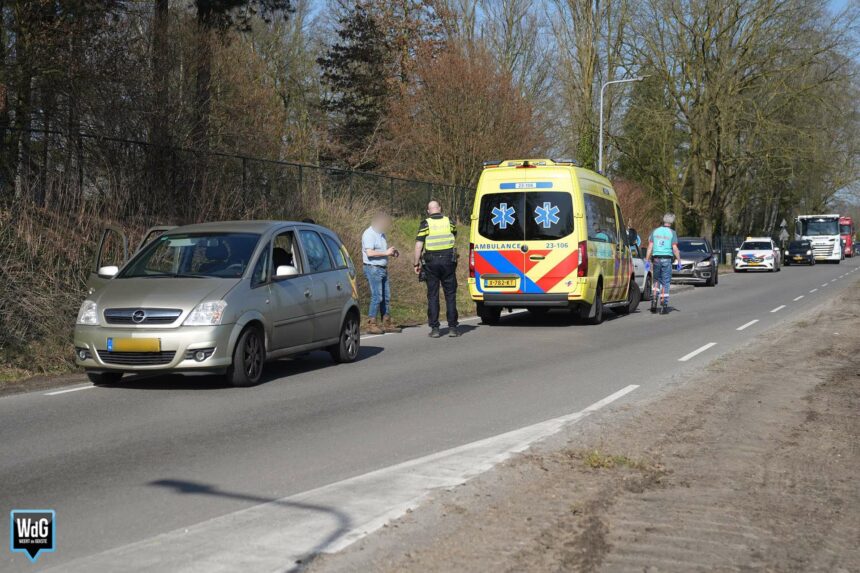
(698, 263)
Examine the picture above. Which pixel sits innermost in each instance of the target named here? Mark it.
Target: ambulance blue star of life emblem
(546, 216)
(503, 216)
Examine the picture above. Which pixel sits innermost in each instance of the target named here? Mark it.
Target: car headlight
(768, 257)
(809, 252)
(88, 314)
(703, 264)
(207, 314)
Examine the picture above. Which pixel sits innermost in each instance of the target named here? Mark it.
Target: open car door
(112, 251)
(153, 233)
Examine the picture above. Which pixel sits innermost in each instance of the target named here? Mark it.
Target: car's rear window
(530, 216)
(799, 245)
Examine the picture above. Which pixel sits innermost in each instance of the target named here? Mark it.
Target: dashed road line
(747, 325)
(779, 308)
(825, 284)
(797, 298)
(696, 352)
(813, 290)
(67, 390)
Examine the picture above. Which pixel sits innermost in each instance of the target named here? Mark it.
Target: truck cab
(823, 232)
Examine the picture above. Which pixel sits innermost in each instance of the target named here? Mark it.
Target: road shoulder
(751, 463)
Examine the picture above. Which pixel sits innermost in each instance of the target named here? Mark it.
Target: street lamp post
(600, 137)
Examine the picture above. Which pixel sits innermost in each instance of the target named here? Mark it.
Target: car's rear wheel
(346, 350)
(103, 378)
(646, 291)
(249, 356)
(489, 314)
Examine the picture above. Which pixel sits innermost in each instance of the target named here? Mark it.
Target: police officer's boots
(373, 327)
(389, 326)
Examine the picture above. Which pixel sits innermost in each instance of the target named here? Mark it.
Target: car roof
(692, 239)
(239, 227)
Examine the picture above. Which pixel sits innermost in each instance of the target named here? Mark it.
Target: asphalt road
(126, 463)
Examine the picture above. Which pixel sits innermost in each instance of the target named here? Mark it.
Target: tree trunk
(159, 134)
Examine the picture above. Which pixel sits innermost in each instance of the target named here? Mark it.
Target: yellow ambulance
(548, 234)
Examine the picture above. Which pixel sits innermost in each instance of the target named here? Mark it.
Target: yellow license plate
(500, 283)
(798, 258)
(753, 264)
(134, 344)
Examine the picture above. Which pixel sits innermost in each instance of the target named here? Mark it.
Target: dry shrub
(463, 111)
(641, 211)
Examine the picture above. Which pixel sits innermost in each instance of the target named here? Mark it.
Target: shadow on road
(344, 523)
(275, 370)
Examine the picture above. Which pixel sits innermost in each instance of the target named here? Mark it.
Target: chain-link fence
(130, 179)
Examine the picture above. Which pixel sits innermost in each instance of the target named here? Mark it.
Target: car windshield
(756, 246)
(818, 227)
(203, 255)
(693, 247)
(799, 245)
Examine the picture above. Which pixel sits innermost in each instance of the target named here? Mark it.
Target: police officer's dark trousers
(441, 269)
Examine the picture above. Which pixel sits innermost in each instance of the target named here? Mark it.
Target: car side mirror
(108, 272)
(286, 271)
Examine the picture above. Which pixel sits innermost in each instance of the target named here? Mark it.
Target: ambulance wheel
(593, 314)
(633, 298)
(489, 314)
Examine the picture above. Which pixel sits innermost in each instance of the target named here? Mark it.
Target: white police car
(757, 254)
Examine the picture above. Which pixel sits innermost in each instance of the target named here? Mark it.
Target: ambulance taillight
(582, 269)
(471, 260)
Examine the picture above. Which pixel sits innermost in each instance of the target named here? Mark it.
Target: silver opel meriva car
(220, 297)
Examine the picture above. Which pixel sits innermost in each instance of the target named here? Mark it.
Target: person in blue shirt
(375, 254)
(662, 252)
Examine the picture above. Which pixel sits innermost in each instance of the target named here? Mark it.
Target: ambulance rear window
(530, 216)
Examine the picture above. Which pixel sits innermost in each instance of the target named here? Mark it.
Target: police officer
(436, 236)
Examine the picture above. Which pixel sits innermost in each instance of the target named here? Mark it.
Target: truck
(846, 229)
(823, 232)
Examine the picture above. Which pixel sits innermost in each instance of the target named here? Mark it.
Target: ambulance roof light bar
(492, 163)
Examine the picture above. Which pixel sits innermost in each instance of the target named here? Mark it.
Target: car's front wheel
(103, 378)
(346, 350)
(249, 356)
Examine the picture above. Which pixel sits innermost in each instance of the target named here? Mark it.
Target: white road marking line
(779, 308)
(813, 290)
(322, 520)
(67, 390)
(747, 325)
(825, 284)
(696, 352)
(797, 298)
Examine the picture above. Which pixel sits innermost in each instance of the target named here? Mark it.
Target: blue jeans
(380, 290)
(662, 269)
